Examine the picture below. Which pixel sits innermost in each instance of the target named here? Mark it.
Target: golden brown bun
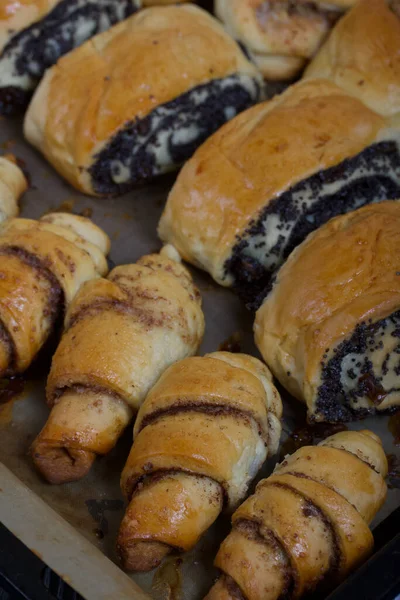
(121, 334)
(254, 158)
(362, 56)
(15, 16)
(13, 184)
(280, 36)
(200, 437)
(43, 266)
(134, 67)
(303, 525)
(343, 275)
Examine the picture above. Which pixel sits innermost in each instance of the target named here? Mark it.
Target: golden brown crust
(200, 437)
(362, 56)
(255, 157)
(342, 275)
(121, 334)
(281, 36)
(13, 184)
(15, 16)
(298, 529)
(155, 47)
(42, 268)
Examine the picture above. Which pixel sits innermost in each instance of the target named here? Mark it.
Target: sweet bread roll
(201, 435)
(362, 55)
(137, 100)
(15, 16)
(13, 184)
(329, 328)
(280, 36)
(272, 175)
(43, 266)
(307, 523)
(41, 32)
(121, 333)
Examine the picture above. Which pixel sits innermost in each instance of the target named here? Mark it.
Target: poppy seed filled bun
(330, 328)
(45, 32)
(137, 100)
(266, 179)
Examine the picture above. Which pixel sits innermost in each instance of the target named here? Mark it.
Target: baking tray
(73, 527)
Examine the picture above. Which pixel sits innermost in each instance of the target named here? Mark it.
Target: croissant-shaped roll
(13, 184)
(121, 333)
(307, 523)
(43, 265)
(201, 435)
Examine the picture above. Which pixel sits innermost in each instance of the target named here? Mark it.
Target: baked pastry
(362, 55)
(201, 435)
(46, 30)
(13, 184)
(272, 175)
(15, 16)
(43, 265)
(280, 36)
(159, 83)
(329, 328)
(307, 523)
(121, 333)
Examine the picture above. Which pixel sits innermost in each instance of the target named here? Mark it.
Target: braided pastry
(13, 184)
(43, 265)
(201, 435)
(307, 523)
(121, 333)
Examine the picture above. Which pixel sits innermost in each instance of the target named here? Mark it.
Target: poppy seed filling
(34, 49)
(361, 372)
(170, 134)
(371, 176)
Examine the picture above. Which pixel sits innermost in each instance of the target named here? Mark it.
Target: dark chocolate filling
(34, 49)
(169, 135)
(337, 401)
(305, 207)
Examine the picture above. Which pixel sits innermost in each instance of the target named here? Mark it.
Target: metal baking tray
(73, 527)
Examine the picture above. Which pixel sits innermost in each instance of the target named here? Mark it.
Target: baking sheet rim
(60, 546)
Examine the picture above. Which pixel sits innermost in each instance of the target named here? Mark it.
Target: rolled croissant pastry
(13, 184)
(159, 84)
(43, 265)
(280, 35)
(201, 435)
(362, 55)
(36, 33)
(120, 334)
(329, 329)
(307, 523)
(254, 190)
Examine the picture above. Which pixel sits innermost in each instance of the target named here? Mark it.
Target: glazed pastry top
(344, 274)
(131, 69)
(18, 14)
(254, 158)
(362, 55)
